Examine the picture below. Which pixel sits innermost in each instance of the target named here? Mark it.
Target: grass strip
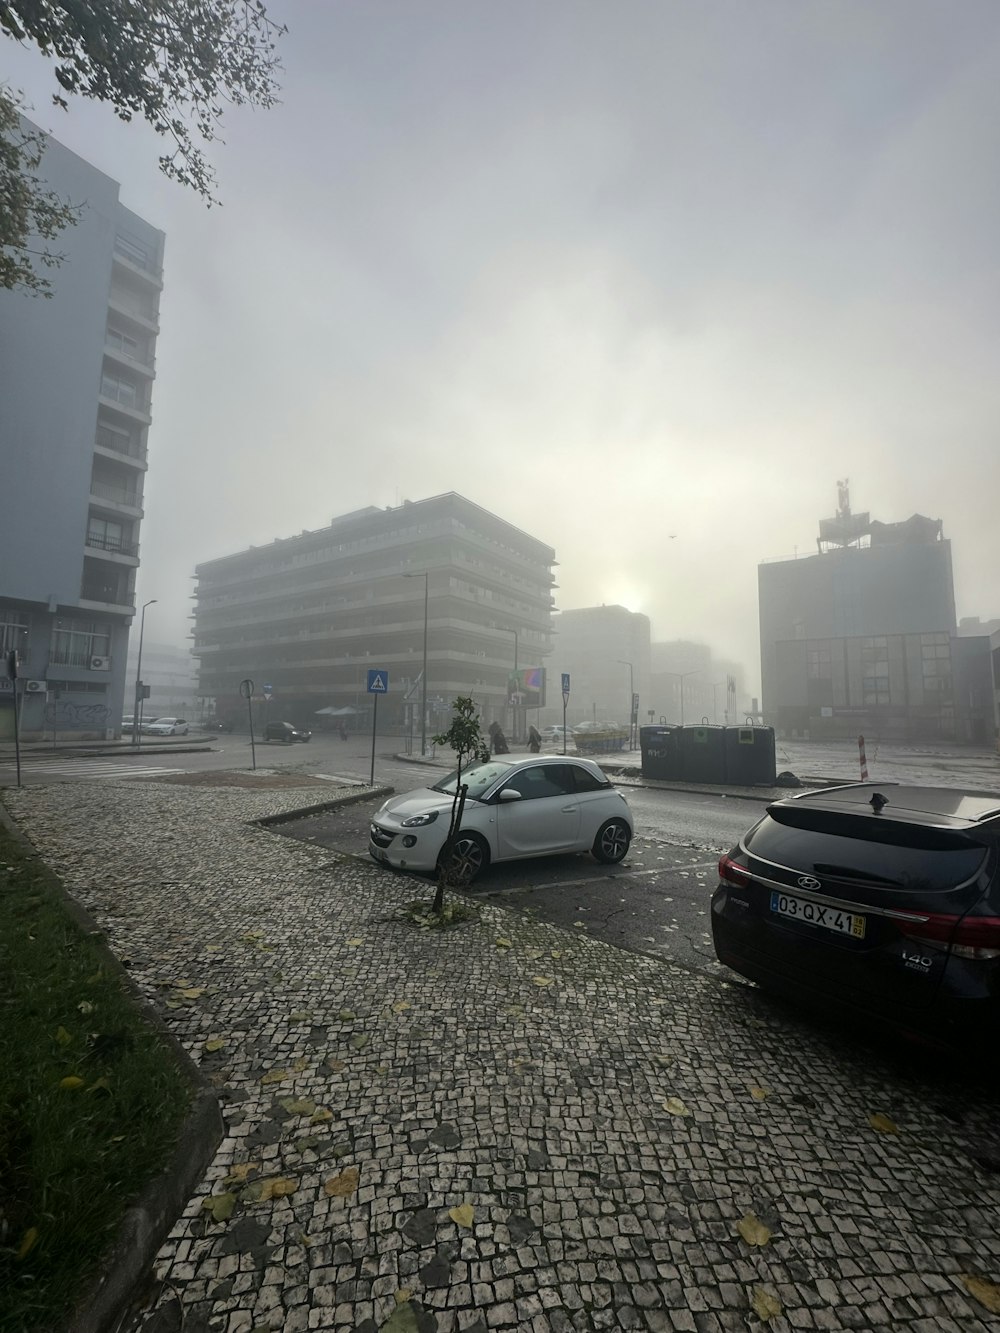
(92, 1098)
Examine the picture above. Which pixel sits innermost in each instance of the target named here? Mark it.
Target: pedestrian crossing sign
(378, 681)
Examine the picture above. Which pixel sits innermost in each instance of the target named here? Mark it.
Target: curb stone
(148, 1220)
(355, 798)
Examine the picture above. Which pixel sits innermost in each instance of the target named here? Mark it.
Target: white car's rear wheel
(612, 842)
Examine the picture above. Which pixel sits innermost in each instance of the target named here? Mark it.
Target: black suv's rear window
(885, 855)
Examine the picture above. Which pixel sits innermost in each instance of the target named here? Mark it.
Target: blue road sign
(378, 681)
(565, 682)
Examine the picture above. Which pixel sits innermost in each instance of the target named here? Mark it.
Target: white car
(515, 808)
(556, 734)
(166, 726)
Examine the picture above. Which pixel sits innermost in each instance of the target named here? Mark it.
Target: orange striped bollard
(864, 761)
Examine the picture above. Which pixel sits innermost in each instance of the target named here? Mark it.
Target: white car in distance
(166, 726)
(539, 805)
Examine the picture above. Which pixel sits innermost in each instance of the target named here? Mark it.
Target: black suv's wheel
(612, 842)
(467, 856)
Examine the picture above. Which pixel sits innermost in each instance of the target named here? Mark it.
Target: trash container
(661, 752)
(750, 756)
(703, 754)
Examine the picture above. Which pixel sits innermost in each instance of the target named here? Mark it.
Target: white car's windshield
(477, 778)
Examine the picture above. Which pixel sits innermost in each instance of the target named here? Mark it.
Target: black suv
(873, 898)
(284, 731)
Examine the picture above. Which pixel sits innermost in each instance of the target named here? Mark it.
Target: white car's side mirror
(509, 794)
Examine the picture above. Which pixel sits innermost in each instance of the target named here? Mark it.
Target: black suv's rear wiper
(851, 872)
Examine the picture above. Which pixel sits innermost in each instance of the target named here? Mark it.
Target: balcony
(141, 308)
(117, 497)
(140, 363)
(135, 260)
(115, 546)
(107, 594)
(120, 445)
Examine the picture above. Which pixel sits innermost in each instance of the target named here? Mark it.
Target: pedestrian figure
(534, 740)
(343, 732)
(498, 742)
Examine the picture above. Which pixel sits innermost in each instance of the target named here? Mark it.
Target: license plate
(818, 914)
(377, 852)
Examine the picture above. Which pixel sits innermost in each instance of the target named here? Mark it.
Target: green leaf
(220, 1206)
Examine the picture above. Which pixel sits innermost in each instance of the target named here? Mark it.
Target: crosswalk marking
(88, 768)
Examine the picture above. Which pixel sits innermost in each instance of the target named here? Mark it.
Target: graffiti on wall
(77, 717)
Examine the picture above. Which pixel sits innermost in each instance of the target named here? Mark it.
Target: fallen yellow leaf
(276, 1076)
(675, 1106)
(220, 1206)
(987, 1293)
(403, 1294)
(70, 1083)
(883, 1124)
(401, 1006)
(355, 941)
(193, 992)
(297, 1105)
(753, 1230)
(764, 1305)
(212, 1045)
(277, 1187)
(184, 981)
(339, 1187)
(300, 1064)
(542, 981)
(239, 1171)
(503, 943)
(462, 1214)
(63, 1037)
(758, 1094)
(336, 1065)
(320, 1116)
(27, 1242)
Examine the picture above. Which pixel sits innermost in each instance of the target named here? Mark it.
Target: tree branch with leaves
(466, 739)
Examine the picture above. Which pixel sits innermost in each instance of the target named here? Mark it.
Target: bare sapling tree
(465, 738)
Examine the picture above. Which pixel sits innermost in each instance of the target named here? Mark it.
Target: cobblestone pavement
(508, 1125)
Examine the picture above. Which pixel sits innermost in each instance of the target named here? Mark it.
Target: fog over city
(644, 279)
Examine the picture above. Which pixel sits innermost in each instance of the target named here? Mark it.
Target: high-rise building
(76, 375)
(605, 650)
(859, 636)
(308, 616)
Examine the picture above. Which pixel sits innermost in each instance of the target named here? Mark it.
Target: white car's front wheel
(463, 861)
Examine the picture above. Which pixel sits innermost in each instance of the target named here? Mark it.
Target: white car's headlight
(415, 820)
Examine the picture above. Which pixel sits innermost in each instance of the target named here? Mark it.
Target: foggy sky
(612, 271)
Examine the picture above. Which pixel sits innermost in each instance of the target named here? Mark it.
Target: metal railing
(115, 493)
(116, 544)
(121, 444)
(111, 593)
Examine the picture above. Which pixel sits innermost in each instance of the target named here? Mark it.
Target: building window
(13, 632)
(122, 391)
(125, 344)
(818, 661)
(935, 654)
(77, 646)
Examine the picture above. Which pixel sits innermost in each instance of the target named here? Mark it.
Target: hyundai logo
(809, 882)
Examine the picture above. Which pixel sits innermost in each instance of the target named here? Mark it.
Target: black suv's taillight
(969, 936)
(731, 872)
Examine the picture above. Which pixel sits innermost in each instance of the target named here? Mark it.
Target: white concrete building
(76, 376)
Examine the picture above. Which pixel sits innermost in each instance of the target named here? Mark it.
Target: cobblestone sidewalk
(508, 1125)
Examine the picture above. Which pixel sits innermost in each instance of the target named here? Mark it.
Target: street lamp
(682, 677)
(137, 712)
(423, 676)
(716, 685)
(631, 695)
(507, 630)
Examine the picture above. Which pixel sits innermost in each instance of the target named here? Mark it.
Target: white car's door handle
(569, 809)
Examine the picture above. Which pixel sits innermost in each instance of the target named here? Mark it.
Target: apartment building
(605, 649)
(308, 616)
(76, 378)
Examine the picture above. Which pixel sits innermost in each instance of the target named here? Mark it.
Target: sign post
(12, 664)
(246, 689)
(378, 683)
(565, 695)
(267, 708)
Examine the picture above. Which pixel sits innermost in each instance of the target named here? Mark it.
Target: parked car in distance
(877, 900)
(556, 734)
(284, 731)
(515, 808)
(166, 726)
(214, 724)
(128, 723)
